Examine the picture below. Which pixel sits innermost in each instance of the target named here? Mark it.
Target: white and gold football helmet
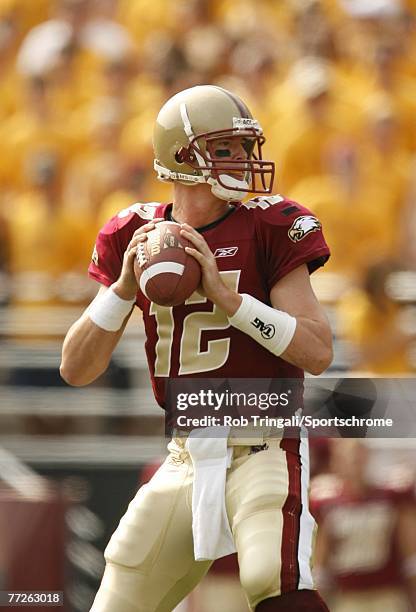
(188, 127)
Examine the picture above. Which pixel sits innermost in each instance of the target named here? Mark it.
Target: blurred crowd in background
(333, 83)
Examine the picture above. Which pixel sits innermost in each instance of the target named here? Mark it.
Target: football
(165, 273)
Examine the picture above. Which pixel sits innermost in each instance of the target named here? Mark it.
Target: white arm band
(273, 329)
(108, 310)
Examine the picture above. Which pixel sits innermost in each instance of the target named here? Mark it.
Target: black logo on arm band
(267, 330)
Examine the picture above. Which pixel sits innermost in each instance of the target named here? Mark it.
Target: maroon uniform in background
(360, 532)
(255, 245)
(33, 538)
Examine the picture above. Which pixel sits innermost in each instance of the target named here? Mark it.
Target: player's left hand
(212, 284)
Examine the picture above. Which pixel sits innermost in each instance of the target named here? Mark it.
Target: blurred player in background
(366, 545)
(209, 146)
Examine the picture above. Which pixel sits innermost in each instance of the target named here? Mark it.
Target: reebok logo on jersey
(225, 251)
(267, 330)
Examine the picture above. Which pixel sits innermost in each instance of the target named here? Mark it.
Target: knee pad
(299, 601)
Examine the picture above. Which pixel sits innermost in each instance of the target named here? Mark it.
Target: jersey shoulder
(324, 488)
(278, 210)
(113, 238)
(134, 216)
(325, 492)
(398, 484)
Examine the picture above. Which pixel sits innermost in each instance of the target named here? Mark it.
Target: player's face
(236, 148)
(233, 149)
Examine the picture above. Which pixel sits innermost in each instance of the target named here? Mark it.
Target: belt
(239, 436)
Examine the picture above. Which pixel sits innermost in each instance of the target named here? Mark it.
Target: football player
(256, 258)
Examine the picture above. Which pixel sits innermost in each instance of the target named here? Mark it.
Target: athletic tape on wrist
(273, 329)
(108, 311)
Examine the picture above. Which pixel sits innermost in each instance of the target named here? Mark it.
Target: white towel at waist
(210, 457)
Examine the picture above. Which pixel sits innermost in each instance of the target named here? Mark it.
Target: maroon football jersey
(255, 245)
(361, 532)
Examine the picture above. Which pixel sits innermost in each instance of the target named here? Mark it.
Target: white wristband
(108, 310)
(273, 329)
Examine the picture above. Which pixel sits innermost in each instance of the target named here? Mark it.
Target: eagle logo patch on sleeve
(94, 256)
(302, 226)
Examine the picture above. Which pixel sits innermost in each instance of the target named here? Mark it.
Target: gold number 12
(191, 359)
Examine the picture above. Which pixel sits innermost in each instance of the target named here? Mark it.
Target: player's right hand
(126, 285)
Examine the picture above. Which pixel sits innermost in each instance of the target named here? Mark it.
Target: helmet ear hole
(179, 155)
(184, 155)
